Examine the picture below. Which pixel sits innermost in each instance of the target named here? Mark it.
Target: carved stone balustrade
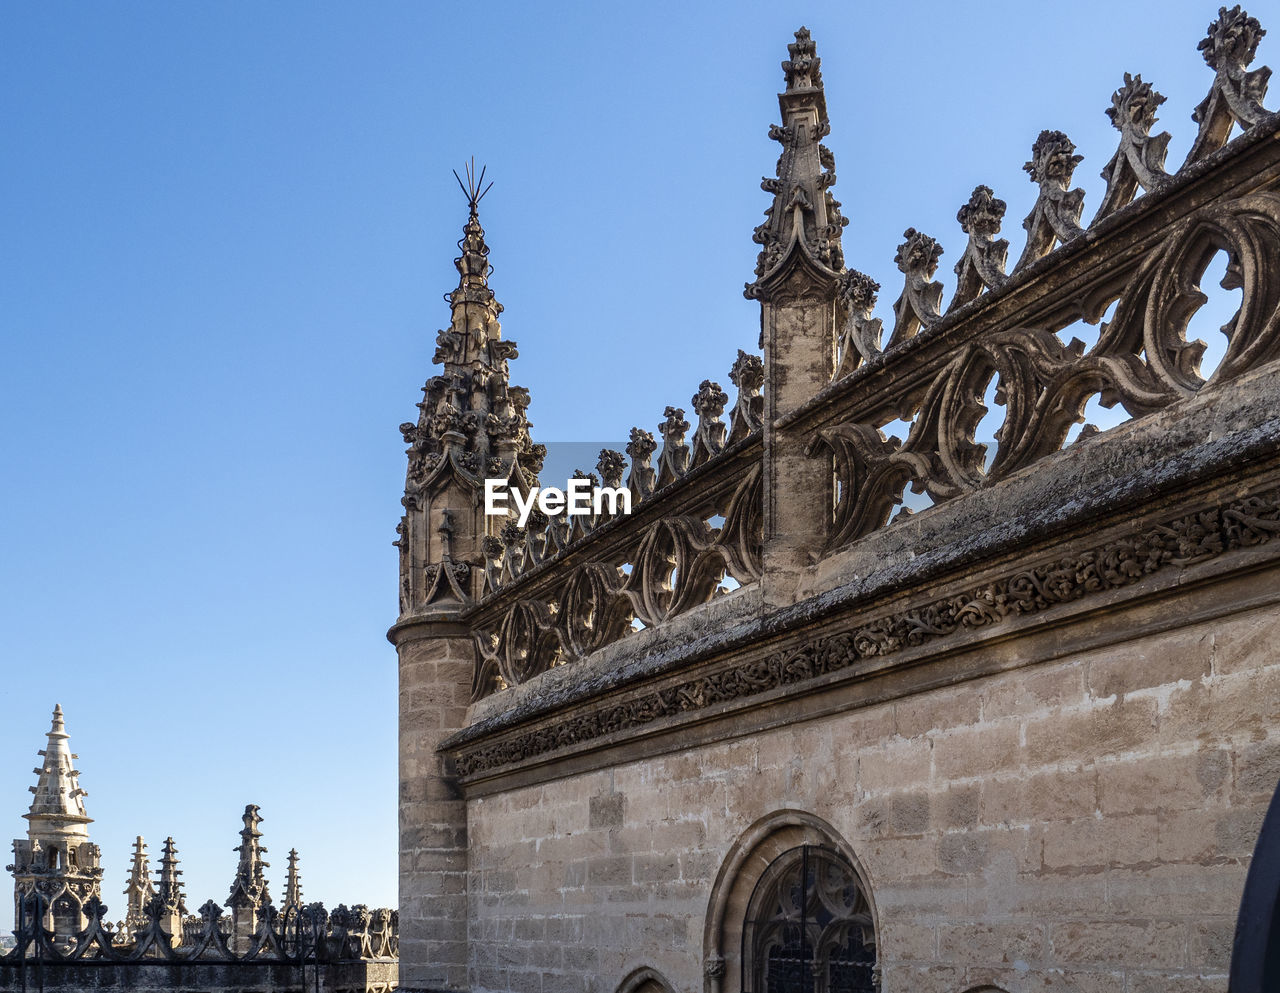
(562, 587)
(1146, 258)
(673, 552)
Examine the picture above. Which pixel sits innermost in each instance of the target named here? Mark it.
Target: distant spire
(249, 888)
(170, 891)
(804, 223)
(293, 883)
(58, 796)
(139, 889)
(57, 858)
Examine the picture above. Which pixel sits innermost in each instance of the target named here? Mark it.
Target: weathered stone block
(1131, 944)
(606, 810)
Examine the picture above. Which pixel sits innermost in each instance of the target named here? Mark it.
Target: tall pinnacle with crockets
(471, 427)
(803, 224)
(292, 885)
(250, 897)
(173, 905)
(798, 281)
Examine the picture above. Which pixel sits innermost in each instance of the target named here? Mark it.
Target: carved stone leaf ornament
(984, 257)
(643, 480)
(918, 306)
(1056, 214)
(709, 438)
(674, 460)
(747, 417)
(1237, 93)
(611, 465)
(1139, 161)
(860, 336)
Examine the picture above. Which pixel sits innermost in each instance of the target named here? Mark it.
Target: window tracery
(809, 928)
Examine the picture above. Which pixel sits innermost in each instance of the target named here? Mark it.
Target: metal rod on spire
(471, 189)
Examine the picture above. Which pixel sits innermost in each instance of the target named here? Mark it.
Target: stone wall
(1084, 826)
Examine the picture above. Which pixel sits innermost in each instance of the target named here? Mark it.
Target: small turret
(57, 862)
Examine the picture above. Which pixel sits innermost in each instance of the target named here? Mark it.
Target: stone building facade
(775, 732)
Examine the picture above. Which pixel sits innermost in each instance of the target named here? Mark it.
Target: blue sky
(226, 231)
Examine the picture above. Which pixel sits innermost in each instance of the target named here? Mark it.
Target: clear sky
(226, 230)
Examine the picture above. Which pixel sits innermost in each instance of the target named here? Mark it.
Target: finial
(804, 222)
(474, 188)
(473, 264)
(803, 66)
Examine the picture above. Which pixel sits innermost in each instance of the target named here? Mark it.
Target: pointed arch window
(808, 928)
